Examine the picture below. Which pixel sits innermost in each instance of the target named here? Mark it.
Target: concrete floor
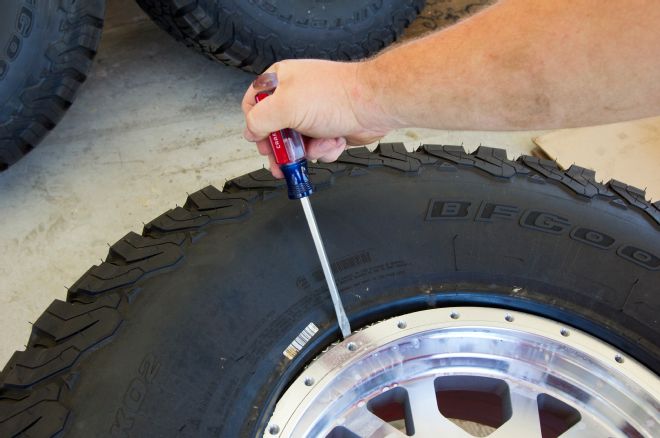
(153, 121)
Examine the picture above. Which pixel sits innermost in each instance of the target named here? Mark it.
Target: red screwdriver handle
(287, 144)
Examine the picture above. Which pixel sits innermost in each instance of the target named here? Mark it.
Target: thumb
(264, 118)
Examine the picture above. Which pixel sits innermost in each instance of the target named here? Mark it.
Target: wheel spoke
(427, 419)
(524, 419)
(365, 424)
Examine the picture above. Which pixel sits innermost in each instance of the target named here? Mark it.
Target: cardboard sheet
(628, 152)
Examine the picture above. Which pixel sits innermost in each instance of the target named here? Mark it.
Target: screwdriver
(289, 151)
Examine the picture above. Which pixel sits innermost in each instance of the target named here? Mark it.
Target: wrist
(370, 98)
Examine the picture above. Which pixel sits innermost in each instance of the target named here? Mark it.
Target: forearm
(524, 64)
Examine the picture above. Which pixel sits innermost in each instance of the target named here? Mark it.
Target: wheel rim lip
(629, 377)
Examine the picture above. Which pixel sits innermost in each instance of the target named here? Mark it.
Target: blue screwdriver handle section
(297, 179)
(289, 151)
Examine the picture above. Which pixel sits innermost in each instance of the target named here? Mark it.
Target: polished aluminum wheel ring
(431, 373)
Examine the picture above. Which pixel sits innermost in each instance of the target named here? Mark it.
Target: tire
(181, 330)
(47, 51)
(252, 35)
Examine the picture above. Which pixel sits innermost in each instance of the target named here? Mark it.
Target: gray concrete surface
(154, 121)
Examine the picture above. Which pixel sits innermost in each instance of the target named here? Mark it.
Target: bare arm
(520, 64)
(528, 64)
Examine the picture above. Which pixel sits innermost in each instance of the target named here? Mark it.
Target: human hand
(331, 103)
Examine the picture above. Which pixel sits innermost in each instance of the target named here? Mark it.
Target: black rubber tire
(46, 52)
(254, 34)
(181, 330)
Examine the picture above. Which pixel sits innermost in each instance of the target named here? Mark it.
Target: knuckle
(275, 67)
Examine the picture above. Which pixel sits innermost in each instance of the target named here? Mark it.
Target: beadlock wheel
(470, 371)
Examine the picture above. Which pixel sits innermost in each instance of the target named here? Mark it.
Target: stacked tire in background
(254, 34)
(47, 51)
(47, 47)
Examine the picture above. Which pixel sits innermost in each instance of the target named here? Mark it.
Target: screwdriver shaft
(344, 325)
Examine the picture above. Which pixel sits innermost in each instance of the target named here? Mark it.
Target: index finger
(248, 99)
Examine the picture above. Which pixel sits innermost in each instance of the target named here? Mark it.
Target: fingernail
(265, 82)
